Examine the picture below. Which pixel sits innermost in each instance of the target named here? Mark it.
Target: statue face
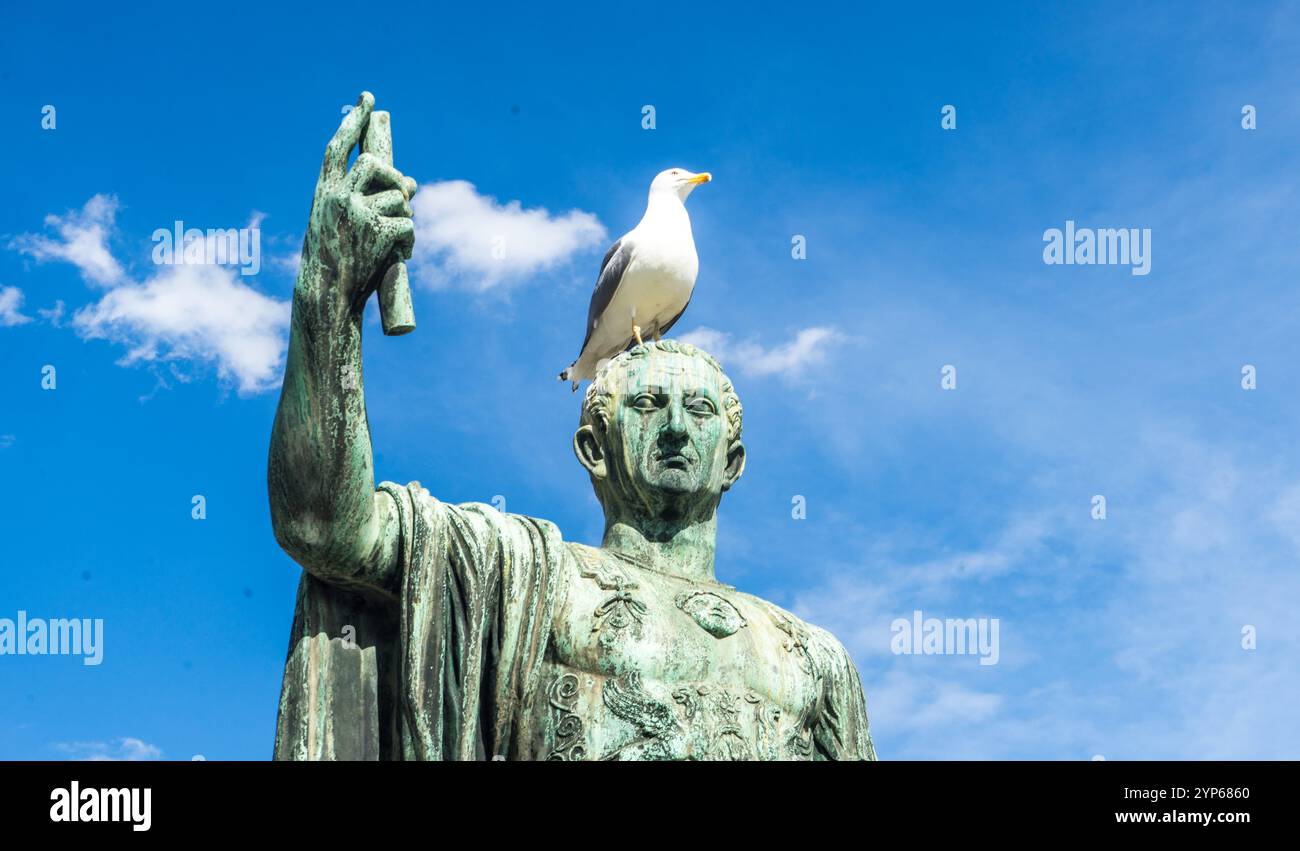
(666, 446)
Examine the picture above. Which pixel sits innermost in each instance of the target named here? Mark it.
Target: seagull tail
(567, 375)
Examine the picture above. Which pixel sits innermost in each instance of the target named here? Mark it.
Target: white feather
(658, 280)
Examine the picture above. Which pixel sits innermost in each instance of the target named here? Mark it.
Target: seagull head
(678, 182)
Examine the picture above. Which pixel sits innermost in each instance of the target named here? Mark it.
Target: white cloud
(206, 313)
(82, 241)
(472, 239)
(11, 299)
(791, 359)
(859, 611)
(287, 263)
(198, 313)
(52, 315)
(125, 749)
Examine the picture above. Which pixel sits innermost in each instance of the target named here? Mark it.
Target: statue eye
(645, 402)
(700, 405)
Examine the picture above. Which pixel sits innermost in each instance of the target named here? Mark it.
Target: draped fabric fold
(446, 662)
(450, 669)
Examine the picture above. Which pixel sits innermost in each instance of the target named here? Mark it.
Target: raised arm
(324, 507)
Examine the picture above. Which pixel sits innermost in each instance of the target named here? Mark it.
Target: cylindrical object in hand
(395, 309)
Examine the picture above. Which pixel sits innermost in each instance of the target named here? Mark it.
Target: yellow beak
(702, 177)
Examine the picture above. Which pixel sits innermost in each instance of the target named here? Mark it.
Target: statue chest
(648, 666)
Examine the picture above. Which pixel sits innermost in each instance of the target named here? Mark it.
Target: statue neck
(684, 549)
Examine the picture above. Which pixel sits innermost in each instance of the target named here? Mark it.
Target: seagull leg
(636, 332)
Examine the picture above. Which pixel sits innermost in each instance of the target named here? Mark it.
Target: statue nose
(676, 423)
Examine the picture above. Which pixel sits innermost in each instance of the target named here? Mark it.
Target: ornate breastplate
(627, 719)
(657, 667)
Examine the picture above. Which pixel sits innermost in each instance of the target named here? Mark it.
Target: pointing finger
(378, 142)
(346, 138)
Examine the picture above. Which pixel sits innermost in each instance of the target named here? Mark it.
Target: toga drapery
(444, 659)
(440, 672)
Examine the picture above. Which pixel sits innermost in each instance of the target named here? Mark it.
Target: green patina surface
(426, 630)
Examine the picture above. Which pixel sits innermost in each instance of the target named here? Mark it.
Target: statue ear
(586, 445)
(735, 464)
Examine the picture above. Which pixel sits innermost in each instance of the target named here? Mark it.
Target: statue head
(660, 433)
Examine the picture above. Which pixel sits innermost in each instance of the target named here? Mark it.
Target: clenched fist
(360, 220)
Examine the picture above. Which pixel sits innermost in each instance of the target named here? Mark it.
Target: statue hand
(360, 219)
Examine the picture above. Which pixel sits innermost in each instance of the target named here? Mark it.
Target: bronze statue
(433, 631)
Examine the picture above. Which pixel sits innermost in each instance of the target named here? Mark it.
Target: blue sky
(1119, 637)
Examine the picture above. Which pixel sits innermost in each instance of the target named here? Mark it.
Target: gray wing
(611, 272)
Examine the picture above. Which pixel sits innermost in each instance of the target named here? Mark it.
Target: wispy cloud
(195, 313)
(82, 240)
(1141, 614)
(200, 313)
(477, 242)
(919, 703)
(52, 315)
(11, 299)
(125, 749)
(791, 359)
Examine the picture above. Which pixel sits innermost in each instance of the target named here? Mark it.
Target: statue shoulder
(595, 563)
(493, 514)
(819, 643)
(497, 514)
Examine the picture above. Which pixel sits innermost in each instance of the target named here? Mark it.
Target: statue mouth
(674, 461)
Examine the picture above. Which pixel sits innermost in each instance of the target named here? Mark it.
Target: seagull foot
(636, 332)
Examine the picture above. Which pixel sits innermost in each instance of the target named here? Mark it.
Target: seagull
(646, 278)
